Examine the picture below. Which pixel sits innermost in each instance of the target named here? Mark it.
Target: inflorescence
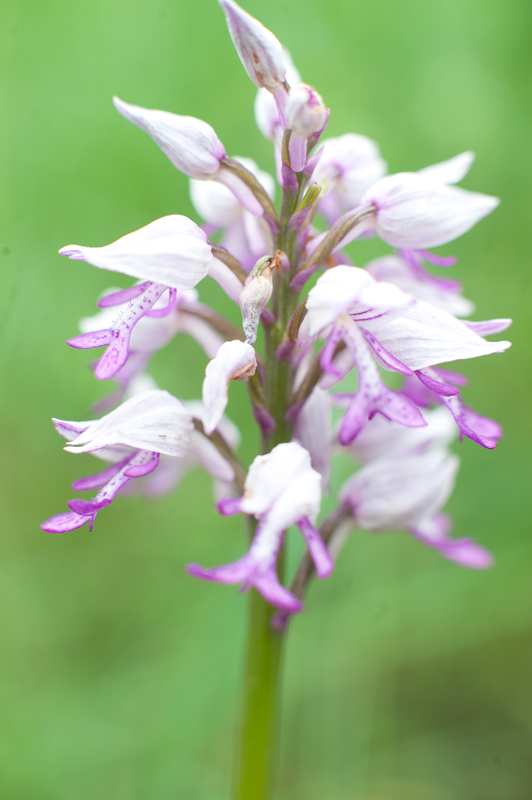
(393, 316)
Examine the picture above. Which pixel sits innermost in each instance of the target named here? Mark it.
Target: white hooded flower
(234, 361)
(258, 49)
(172, 251)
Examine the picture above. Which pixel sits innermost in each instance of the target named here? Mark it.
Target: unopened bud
(191, 144)
(256, 294)
(305, 111)
(259, 50)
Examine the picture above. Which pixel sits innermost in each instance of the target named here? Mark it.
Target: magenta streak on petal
(359, 318)
(140, 470)
(100, 479)
(443, 389)
(479, 429)
(68, 521)
(384, 355)
(89, 508)
(72, 252)
(414, 262)
(86, 341)
(117, 352)
(163, 312)
(488, 327)
(372, 395)
(327, 351)
(465, 552)
(123, 296)
(438, 261)
(228, 506)
(320, 555)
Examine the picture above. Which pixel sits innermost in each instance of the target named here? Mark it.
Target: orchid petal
(235, 360)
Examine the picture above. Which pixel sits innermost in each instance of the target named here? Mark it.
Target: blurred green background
(408, 677)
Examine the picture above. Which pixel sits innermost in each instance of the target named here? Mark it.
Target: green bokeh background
(408, 677)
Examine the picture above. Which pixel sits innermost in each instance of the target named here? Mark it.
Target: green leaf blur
(407, 677)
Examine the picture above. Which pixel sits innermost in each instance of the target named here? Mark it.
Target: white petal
(226, 278)
(191, 144)
(172, 251)
(302, 498)
(266, 114)
(394, 269)
(344, 289)
(415, 213)
(381, 437)
(269, 476)
(451, 171)
(348, 166)
(211, 458)
(226, 427)
(423, 336)
(313, 431)
(260, 52)
(150, 421)
(305, 111)
(234, 361)
(214, 202)
(395, 492)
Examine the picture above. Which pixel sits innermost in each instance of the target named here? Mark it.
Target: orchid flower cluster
(345, 333)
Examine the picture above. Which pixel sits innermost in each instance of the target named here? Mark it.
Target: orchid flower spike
(258, 49)
(132, 437)
(191, 145)
(281, 490)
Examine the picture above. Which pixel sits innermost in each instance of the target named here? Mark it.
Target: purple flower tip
(72, 252)
(61, 523)
(228, 506)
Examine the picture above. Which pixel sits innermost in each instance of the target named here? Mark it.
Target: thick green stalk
(257, 744)
(256, 757)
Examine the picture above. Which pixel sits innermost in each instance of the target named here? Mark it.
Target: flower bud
(256, 294)
(259, 50)
(305, 111)
(191, 144)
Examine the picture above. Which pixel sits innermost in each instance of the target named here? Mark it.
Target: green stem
(256, 755)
